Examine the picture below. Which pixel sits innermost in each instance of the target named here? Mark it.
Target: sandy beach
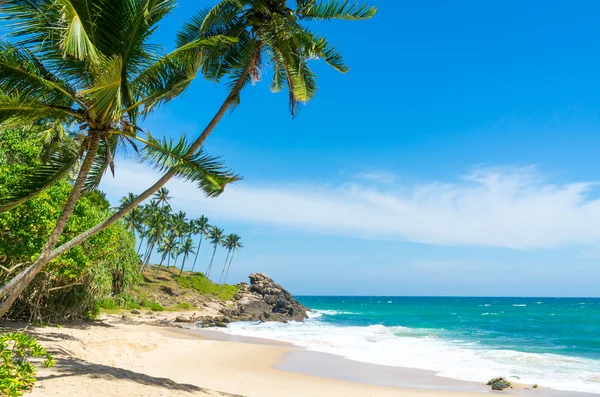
(118, 359)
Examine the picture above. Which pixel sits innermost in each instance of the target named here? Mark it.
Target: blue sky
(457, 157)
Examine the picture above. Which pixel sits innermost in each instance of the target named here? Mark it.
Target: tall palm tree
(147, 211)
(199, 226)
(216, 239)
(233, 245)
(167, 247)
(180, 228)
(186, 249)
(162, 196)
(270, 31)
(126, 200)
(89, 64)
(134, 219)
(227, 244)
(158, 224)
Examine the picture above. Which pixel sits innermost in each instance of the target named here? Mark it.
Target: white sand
(141, 360)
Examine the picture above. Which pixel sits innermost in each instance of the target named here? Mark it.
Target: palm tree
(227, 243)
(126, 200)
(180, 228)
(233, 244)
(187, 248)
(167, 247)
(162, 196)
(158, 223)
(147, 210)
(216, 238)
(199, 226)
(271, 31)
(134, 219)
(89, 64)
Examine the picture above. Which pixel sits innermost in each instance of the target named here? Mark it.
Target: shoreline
(143, 360)
(300, 360)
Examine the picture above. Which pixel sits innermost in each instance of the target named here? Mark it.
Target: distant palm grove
(171, 235)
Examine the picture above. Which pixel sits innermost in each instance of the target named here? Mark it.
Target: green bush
(150, 304)
(182, 306)
(105, 265)
(205, 286)
(17, 373)
(107, 303)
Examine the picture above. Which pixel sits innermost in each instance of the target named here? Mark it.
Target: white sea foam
(520, 305)
(419, 348)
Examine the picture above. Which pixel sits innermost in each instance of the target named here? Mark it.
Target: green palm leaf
(168, 77)
(21, 72)
(336, 9)
(42, 177)
(75, 40)
(204, 170)
(18, 111)
(104, 97)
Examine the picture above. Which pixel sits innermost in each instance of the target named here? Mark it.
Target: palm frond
(19, 111)
(204, 170)
(171, 75)
(313, 46)
(104, 97)
(21, 72)
(220, 15)
(336, 9)
(41, 177)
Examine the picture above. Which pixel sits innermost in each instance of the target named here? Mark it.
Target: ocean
(553, 342)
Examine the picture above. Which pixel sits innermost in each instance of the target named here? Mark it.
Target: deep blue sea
(554, 342)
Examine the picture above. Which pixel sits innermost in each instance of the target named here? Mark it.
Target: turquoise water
(554, 342)
(567, 326)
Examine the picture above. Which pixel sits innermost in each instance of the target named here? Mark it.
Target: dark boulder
(265, 300)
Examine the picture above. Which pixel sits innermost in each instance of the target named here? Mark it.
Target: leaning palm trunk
(211, 262)
(140, 245)
(197, 251)
(160, 265)
(148, 254)
(228, 267)
(182, 265)
(224, 265)
(11, 290)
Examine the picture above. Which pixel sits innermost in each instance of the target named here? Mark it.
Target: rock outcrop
(265, 300)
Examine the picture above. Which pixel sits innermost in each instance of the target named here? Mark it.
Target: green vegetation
(205, 286)
(17, 373)
(150, 304)
(104, 265)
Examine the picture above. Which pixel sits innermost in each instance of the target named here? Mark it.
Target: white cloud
(486, 207)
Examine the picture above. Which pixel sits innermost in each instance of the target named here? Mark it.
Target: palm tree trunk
(228, 267)
(147, 256)
(196, 258)
(11, 290)
(160, 264)
(176, 259)
(140, 245)
(211, 262)
(182, 265)
(224, 265)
